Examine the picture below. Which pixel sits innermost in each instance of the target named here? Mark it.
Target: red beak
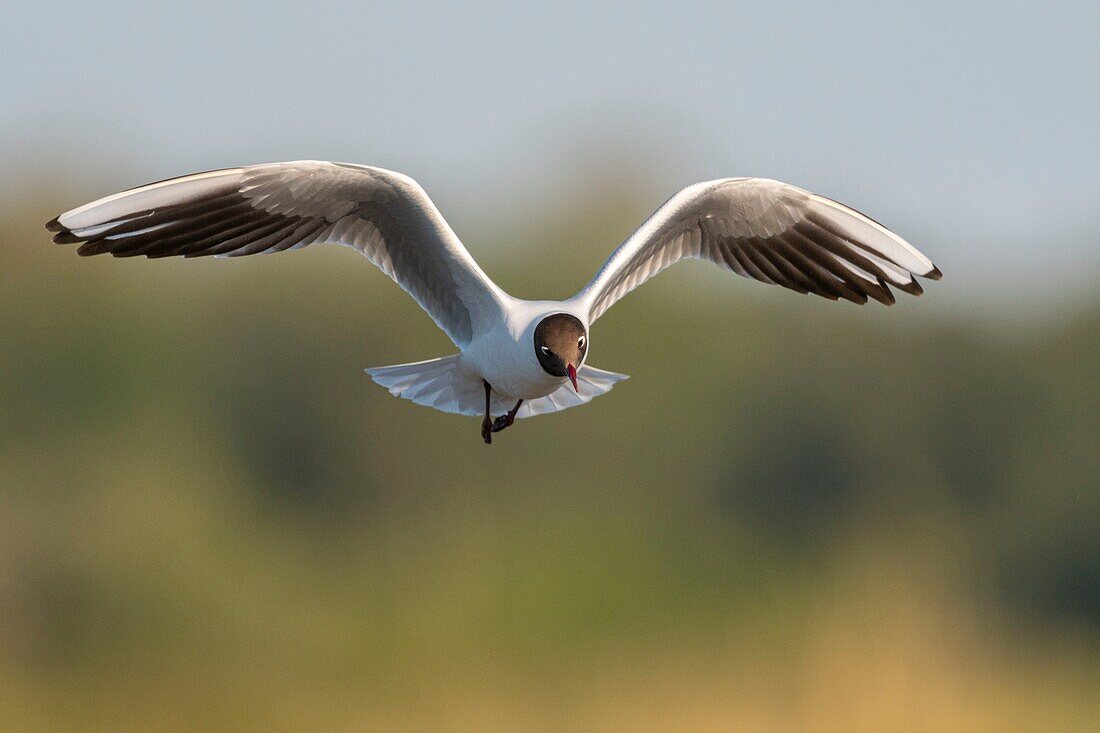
(573, 376)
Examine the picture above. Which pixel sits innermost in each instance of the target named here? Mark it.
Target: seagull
(516, 358)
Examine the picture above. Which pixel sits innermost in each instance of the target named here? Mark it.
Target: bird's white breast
(504, 355)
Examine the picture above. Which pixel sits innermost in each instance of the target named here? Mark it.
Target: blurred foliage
(798, 515)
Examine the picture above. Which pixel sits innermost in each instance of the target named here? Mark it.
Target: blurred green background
(797, 515)
(819, 517)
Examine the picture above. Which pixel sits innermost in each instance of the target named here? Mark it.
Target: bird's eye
(545, 350)
(580, 342)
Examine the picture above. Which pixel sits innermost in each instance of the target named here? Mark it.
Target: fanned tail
(442, 384)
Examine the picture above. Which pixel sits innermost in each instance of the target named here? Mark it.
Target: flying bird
(516, 358)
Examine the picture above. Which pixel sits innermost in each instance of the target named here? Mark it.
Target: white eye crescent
(580, 342)
(545, 350)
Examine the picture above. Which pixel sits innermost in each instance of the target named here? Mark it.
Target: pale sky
(973, 129)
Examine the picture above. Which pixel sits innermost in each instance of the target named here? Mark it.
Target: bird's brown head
(560, 345)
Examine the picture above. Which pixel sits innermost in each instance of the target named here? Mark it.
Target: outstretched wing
(385, 215)
(769, 231)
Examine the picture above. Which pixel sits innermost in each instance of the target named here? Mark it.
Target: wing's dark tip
(888, 294)
(934, 273)
(912, 287)
(64, 234)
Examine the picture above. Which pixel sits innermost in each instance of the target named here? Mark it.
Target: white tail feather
(592, 382)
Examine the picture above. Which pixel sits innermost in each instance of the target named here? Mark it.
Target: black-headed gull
(516, 358)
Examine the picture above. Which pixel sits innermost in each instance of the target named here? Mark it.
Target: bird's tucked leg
(506, 419)
(487, 423)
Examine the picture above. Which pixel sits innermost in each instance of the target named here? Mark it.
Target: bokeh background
(798, 514)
